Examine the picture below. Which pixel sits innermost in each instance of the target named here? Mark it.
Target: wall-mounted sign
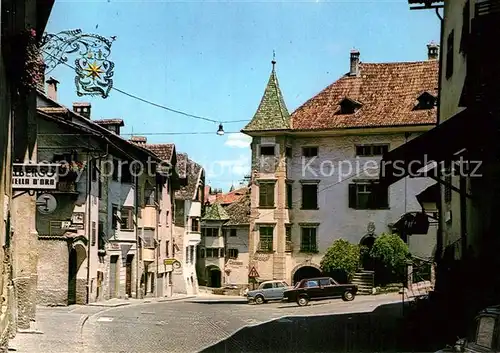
(235, 263)
(46, 204)
(34, 176)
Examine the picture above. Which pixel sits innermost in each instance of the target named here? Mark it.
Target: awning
(469, 129)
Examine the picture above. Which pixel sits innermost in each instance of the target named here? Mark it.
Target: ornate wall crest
(94, 70)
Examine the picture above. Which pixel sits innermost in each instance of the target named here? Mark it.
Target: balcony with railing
(482, 81)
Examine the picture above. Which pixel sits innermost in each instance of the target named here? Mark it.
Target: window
(102, 236)
(289, 202)
(288, 152)
(309, 152)
(212, 252)
(266, 194)
(211, 232)
(232, 232)
(311, 284)
(267, 286)
(166, 218)
(202, 253)
(280, 284)
(232, 253)
(191, 253)
(449, 54)
(93, 166)
(115, 217)
(127, 218)
(426, 101)
(116, 166)
(267, 151)
(362, 196)
(195, 225)
(187, 254)
(167, 248)
(94, 233)
(266, 239)
(371, 150)
(149, 195)
(288, 238)
(308, 239)
(310, 196)
(324, 282)
(125, 173)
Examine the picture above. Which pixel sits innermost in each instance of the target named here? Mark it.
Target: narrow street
(193, 327)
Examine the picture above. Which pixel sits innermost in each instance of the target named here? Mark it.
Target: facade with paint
(223, 251)
(189, 201)
(314, 172)
(109, 207)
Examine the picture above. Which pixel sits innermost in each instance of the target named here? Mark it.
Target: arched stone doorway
(305, 271)
(213, 276)
(366, 244)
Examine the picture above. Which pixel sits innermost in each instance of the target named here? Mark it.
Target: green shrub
(342, 255)
(391, 254)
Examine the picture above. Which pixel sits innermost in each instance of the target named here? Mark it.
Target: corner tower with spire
(269, 246)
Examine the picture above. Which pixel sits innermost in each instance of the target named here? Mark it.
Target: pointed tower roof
(215, 212)
(272, 113)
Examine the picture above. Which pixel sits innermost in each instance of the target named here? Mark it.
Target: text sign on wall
(34, 176)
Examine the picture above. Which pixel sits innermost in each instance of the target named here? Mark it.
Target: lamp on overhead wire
(220, 132)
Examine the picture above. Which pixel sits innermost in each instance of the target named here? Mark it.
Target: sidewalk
(58, 329)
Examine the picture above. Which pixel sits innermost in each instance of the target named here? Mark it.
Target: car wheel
(303, 300)
(348, 296)
(259, 299)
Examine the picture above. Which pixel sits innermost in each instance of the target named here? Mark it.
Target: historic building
(189, 200)
(223, 251)
(102, 223)
(315, 171)
(465, 148)
(22, 25)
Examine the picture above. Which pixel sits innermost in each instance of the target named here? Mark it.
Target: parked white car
(268, 290)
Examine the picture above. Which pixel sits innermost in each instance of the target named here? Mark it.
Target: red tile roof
(162, 150)
(231, 197)
(388, 93)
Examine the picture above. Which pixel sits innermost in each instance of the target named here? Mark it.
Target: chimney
(432, 51)
(82, 108)
(52, 88)
(354, 63)
(140, 140)
(112, 125)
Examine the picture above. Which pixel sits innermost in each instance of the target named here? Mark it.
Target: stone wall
(53, 273)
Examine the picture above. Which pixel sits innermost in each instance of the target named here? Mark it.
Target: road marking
(105, 319)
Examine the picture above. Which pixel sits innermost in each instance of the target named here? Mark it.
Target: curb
(215, 301)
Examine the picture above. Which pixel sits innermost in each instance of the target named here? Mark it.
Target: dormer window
(426, 101)
(349, 106)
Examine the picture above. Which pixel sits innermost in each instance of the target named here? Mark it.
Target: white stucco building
(314, 172)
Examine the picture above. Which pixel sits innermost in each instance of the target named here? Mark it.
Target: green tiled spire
(215, 212)
(272, 113)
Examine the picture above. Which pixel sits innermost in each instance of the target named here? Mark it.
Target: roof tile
(388, 93)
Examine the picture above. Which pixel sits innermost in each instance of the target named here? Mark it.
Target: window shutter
(383, 196)
(352, 196)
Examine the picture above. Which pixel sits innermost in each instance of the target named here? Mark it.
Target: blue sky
(213, 59)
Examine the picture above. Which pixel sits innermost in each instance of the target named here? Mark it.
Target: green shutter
(352, 196)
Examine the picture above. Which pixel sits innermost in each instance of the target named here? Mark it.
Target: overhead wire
(161, 106)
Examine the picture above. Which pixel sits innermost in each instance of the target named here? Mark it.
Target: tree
(390, 253)
(342, 255)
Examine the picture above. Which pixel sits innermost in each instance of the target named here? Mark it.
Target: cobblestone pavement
(191, 327)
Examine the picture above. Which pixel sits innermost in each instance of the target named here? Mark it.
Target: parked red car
(319, 289)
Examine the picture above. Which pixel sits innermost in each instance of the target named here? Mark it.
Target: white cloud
(229, 168)
(238, 140)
